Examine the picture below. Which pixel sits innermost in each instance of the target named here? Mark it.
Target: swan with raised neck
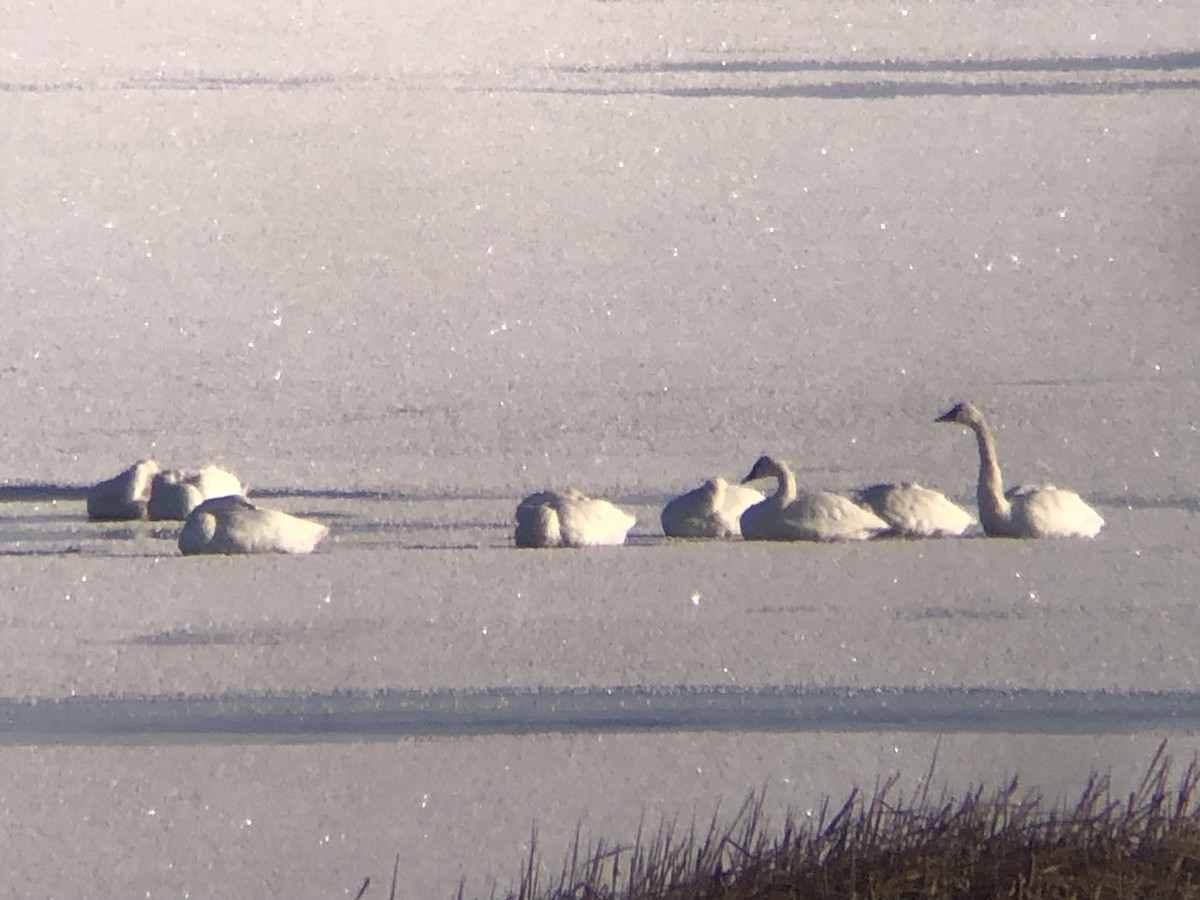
(1023, 512)
(792, 515)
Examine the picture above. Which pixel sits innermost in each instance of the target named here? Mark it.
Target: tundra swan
(1024, 512)
(788, 515)
(712, 510)
(235, 525)
(914, 511)
(174, 494)
(125, 495)
(570, 519)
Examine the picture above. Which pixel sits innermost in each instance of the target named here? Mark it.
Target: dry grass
(1008, 844)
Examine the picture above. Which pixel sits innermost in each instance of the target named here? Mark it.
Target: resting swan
(712, 510)
(806, 516)
(1024, 512)
(913, 511)
(235, 525)
(125, 495)
(174, 494)
(570, 519)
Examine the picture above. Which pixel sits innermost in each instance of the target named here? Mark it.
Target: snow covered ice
(400, 267)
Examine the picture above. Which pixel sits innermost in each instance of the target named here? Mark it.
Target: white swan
(712, 510)
(570, 519)
(235, 525)
(174, 493)
(125, 495)
(789, 515)
(913, 511)
(1024, 512)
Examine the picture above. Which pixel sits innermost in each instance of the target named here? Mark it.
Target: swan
(235, 525)
(913, 511)
(174, 493)
(570, 519)
(1024, 512)
(712, 510)
(805, 516)
(125, 495)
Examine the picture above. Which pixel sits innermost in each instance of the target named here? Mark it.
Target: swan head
(764, 467)
(962, 414)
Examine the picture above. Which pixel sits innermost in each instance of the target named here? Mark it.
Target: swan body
(713, 510)
(789, 515)
(174, 494)
(913, 511)
(235, 525)
(125, 495)
(570, 519)
(1023, 512)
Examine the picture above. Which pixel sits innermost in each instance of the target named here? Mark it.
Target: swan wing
(1054, 512)
(593, 523)
(691, 515)
(739, 498)
(213, 481)
(833, 517)
(911, 510)
(273, 531)
(813, 516)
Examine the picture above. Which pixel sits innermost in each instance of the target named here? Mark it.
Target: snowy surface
(398, 265)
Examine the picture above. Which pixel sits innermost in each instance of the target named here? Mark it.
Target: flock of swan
(718, 509)
(217, 517)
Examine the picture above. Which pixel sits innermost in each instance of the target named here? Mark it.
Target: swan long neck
(785, 493)
(994, 509)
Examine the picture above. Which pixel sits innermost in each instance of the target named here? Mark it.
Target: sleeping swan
(125, 495)
(570, 519)
(913, 511)
(712, 510)
(234, 525)
(174, 493)
(807, 516)
(1024, 512)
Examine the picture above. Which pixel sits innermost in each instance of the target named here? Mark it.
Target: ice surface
(399, 266)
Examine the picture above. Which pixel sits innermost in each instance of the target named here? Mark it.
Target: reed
(1011, 844)
(1006, 844)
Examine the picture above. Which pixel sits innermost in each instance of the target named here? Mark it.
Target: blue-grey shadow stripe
(1159, 62)
(397, 714)
(875, 90)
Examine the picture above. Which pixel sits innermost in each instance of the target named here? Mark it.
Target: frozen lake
(399, 266)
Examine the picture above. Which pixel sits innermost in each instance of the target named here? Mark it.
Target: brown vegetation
(1010, 844)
